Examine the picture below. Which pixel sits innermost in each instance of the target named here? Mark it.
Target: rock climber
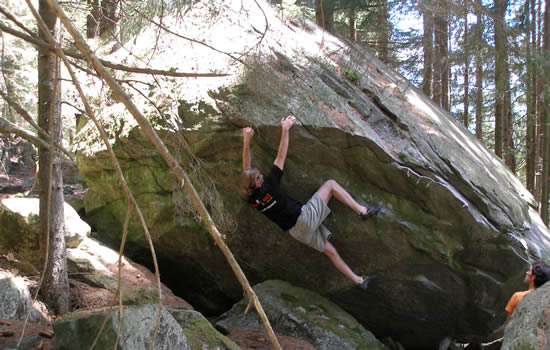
(303, 222)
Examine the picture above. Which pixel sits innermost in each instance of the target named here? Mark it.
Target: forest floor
(86, 297)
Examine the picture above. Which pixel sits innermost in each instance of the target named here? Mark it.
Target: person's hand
(248, 133)
(288, 121)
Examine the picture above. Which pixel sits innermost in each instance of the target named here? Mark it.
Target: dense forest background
(486, 62)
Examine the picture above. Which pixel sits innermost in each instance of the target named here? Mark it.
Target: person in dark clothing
(303, 222)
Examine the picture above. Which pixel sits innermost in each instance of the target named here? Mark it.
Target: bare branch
(160, 25)
(23, 113)
(38, 42)
(6, 12)
(114, 160)
(10, 128)
(266, 27)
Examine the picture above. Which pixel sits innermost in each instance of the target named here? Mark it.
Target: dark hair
(541, 271)
(249, 182)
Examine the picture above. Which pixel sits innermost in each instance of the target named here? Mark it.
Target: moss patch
(200, 333)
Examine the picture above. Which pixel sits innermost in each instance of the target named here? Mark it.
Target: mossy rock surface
(78, 330)
(302, 314)
(200, 333)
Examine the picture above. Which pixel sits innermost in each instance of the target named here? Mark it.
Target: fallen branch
(150, 133)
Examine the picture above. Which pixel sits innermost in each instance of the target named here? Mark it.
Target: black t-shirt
(274, 202)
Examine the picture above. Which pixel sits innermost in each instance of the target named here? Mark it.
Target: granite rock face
(79, 330)
(16, 301)
(449, 245)
(302, 314)
(528, 327)
(178, 329)
(200, 332)
(20, 227)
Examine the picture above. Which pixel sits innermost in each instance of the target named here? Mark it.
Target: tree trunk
(466, 70)
(504, 145)
(324, 14)
(92, 21)
(442, 44)
(383, 32)
(531, 145)
(500, 74)
(427, 42)
(546, 111)
(352, 33)
(441, 54)
(479, 71)
(110, 18)
(539, 109)
(56, 286)
(508, 130)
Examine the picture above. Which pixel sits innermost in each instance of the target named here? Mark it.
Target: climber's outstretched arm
(286, 124)
(248, 133)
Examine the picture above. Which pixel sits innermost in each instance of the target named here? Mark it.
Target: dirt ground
(84, 297)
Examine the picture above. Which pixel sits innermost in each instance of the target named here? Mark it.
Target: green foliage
(351, 75)
(19, 79)
(139, 296)
(200, 333)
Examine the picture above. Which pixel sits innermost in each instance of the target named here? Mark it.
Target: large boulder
(302, 314)
(79, 330)
(97, 265)
(16, 301)
(88, 260)
(456, 225)
(528, 327)
(20, 228)
(199, 331)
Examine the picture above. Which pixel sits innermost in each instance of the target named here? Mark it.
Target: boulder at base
(20, 228)
(200, 333)
(529, 326)
(97, 265)
(302, 314)
(16, 301)
(78, 330)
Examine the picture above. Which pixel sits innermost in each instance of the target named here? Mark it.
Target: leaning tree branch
(41, 43)
(116, 165)
(10, 128)
(43, 134)
(153, 137)
(6, 12)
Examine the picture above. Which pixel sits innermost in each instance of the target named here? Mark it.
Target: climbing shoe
(372, 211)
(365, 284)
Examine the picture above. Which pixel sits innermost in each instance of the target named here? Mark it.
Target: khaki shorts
(309, 228)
